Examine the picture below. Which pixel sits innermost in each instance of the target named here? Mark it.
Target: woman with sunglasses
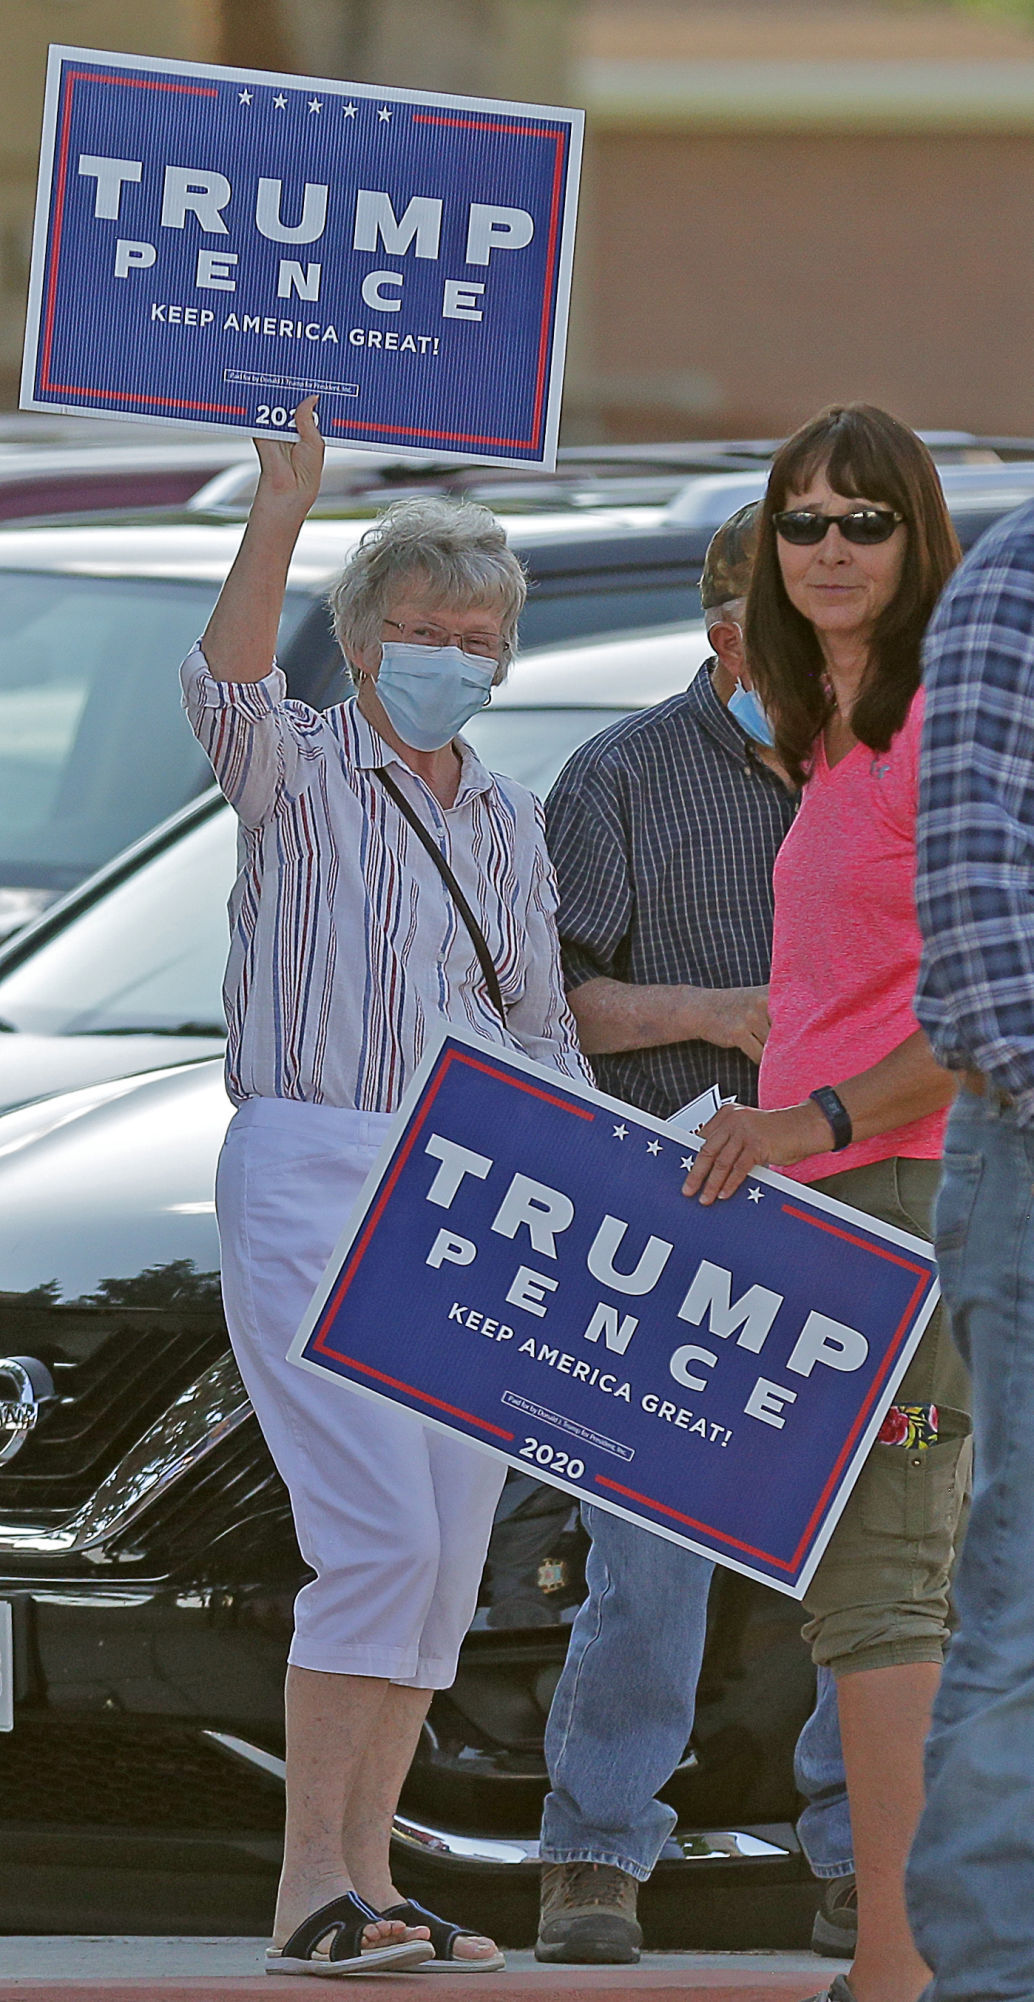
(855, 544)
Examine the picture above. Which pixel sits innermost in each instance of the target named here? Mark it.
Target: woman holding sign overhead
(387, 880)
(854, 546)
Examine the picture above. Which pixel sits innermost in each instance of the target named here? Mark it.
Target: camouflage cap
(730, 556)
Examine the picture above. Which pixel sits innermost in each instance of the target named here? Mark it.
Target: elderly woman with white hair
(348, 947)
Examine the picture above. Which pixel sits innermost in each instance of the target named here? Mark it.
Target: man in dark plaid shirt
(971, 1876)
(663, 831)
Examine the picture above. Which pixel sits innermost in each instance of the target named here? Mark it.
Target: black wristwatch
(837, 1113)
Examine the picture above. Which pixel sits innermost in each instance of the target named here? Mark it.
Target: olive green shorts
(880, 1594)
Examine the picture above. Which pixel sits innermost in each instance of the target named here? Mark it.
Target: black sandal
(343, 1922)
(443, 1939)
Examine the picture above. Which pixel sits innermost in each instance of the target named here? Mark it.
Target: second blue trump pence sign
(523, 1269)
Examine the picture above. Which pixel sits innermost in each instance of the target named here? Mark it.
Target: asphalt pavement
(57, 1968)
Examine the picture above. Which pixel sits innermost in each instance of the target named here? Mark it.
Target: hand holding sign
(291, 467)
(739, 1139)
(906, 1084)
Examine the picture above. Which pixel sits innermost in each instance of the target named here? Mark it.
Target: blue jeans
(824, 1828)
(970, 1881)
(622, 1714)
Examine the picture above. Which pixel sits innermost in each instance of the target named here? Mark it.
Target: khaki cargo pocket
(916, 1496)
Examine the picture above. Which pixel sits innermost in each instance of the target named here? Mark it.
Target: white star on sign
(314, 104)
(653, 1146)
(350, 111)
(280, 102)
(688, 1162)
(244, 97)
(755, 1195)
(384, 113)
(621, 1132)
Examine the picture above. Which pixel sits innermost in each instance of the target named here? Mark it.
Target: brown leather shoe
(587, 1914)
(836, 1922)
(839, 1990)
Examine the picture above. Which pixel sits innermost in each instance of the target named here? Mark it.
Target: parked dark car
(71, 465)
(148, 1558)
(88, 479)
(146, 1549)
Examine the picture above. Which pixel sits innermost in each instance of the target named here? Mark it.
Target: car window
(94, 746)
(599, 609)
(533, 745)
(147, 956)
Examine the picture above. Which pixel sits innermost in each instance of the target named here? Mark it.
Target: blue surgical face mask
(430, 692)
(750, 715)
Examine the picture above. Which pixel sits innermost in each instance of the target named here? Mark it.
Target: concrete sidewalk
(60, 1969)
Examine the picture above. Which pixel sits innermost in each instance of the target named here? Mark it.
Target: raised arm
(239, 640)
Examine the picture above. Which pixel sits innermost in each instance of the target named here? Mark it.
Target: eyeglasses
(487, 646)
(865, 525)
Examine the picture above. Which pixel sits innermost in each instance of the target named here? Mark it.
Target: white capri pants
(392, 1516)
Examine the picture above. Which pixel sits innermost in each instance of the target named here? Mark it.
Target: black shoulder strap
(424, 835)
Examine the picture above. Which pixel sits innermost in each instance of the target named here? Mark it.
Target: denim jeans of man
(970, 1879)
(622, 1714)
(824, 1829)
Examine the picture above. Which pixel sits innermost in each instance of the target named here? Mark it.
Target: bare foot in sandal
(454, 1946)
(345, 1936)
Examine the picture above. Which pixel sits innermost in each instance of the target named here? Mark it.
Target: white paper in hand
(690, 1118)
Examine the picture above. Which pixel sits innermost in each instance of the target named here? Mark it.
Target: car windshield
(94, 746)
(147, 956)
(532, 745)
(607, 609)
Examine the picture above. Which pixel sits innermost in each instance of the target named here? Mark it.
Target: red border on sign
(793, 1564)
(438, 1403)
(80, 389)
(477, 437)
(48, 386)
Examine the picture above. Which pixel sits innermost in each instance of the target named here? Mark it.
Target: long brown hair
(865, 453)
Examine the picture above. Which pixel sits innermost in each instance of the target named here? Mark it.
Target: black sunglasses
(863, 524)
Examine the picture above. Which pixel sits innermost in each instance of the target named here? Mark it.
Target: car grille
(228, 1518)
(78, 1772)
(123, 1383)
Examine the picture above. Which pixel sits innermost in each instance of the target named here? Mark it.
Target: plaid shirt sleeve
(588, 843)
(975, 834)
(541, 1020)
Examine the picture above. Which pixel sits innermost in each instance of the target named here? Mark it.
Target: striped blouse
(346, 948)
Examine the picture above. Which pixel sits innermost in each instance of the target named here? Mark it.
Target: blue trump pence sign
(211, 245)
(522, 1269)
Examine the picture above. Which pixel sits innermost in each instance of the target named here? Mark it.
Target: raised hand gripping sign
(212, 245)
(522, 1269)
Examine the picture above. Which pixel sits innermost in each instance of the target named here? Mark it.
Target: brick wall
(733, 283)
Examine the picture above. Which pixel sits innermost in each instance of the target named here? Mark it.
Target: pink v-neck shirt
(846, 943)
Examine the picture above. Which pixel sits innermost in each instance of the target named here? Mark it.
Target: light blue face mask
(749, 714)
(429, 692)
